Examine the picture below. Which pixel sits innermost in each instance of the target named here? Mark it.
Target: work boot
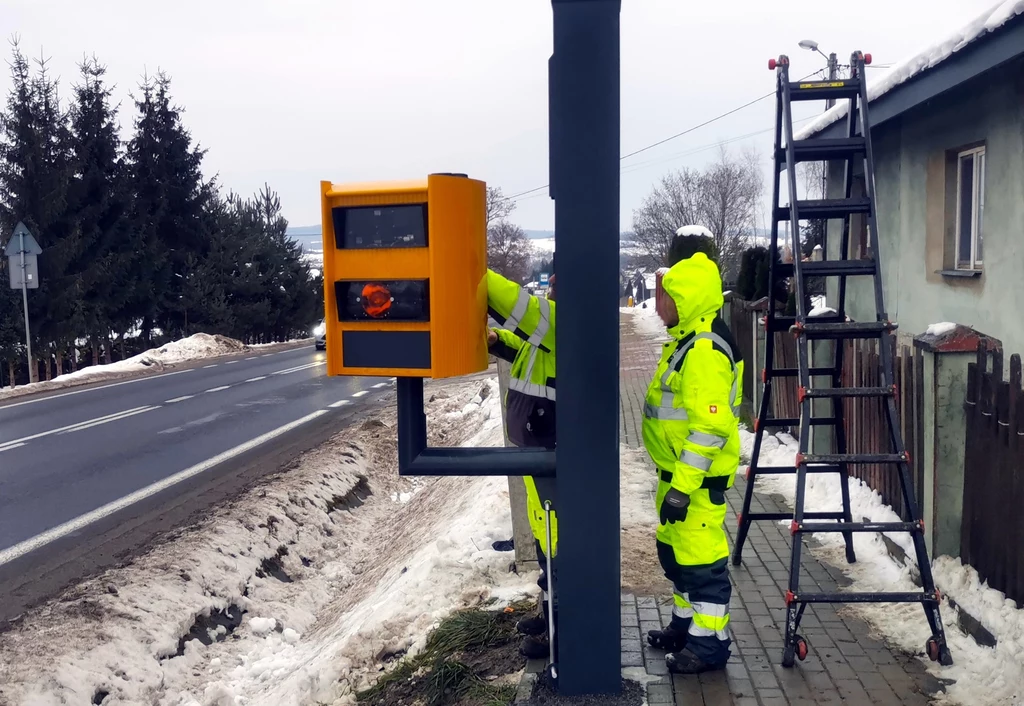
(671, 639)
(535, 647)
(535, 625)
(685, 662)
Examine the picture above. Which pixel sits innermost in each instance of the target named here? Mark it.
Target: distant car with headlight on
(320, 336)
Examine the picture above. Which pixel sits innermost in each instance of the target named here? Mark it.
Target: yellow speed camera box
(405, 267)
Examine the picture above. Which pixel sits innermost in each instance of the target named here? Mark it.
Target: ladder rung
(823, 90)
(828, 392)
(837, 268)
(823, 150)
(833, 459)
(824, 208)
(782, 470)
(880, 597)
(794, 421)
(795, 372)
(818, 330)
(784, 323)
(857, 526)
(789, 516)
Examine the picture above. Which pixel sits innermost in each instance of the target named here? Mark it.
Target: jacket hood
(695, 286)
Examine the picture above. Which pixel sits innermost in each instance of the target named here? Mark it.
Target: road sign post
(24, 248)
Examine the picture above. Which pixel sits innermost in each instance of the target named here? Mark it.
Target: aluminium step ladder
(835, 327)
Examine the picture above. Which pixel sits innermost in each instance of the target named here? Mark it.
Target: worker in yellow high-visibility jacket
(691, 431)
(527, 340)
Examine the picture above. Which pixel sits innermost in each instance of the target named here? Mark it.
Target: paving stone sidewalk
(845, 665)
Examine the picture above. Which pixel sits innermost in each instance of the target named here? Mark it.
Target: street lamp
(833, 63)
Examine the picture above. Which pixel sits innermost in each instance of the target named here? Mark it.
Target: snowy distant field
(303, 589)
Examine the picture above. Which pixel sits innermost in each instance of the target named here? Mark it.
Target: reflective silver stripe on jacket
(544, 324)
(701, 439)
(530, 388)
(518, 311)
(670, 413)
(692, 458)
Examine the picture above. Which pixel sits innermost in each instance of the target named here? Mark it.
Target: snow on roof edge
(989, 21)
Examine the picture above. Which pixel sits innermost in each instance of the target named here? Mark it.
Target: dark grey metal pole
(833, 72)
(584, 157)
(24, 302)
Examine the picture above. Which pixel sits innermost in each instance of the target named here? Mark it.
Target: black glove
(673, 507)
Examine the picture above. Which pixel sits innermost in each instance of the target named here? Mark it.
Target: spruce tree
(100, 203)
(169, 196)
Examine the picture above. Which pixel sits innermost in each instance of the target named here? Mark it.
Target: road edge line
(51, 535)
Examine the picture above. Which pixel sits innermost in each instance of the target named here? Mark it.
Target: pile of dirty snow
(983, 676)
(302, 591)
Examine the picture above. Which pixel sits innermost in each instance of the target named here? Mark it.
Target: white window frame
(977, 206)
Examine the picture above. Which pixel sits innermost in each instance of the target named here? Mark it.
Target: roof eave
(984, 54)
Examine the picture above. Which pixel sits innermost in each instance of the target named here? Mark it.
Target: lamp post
(833, 64)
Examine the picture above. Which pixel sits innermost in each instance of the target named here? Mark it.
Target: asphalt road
(89, 476)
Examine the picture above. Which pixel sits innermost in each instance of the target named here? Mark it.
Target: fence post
(944, 377)
(526, 555)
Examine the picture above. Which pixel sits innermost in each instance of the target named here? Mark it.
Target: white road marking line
(339, 403)
(297, 368)
(252, 357)
(179, 399)
(218, 389)
(231, 362)
(360, 393)
(92, 389)
(110, 417)
(41, 540)
(266, 355)
(257, 379)
(210, 366)
(12, 446)
(114, 419)
(382, 384)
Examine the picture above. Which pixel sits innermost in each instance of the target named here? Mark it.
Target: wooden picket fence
(867, 428)
(992, 530)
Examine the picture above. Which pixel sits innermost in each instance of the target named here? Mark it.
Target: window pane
(980, 163)
(966, 197)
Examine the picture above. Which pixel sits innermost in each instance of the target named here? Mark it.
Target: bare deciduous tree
(729, 200)
(673, 203)
(724, 198)
(509, 252)
(498, 207)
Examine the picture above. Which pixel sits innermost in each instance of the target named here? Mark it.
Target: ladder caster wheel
(789, 656)
(801, 648)
(938, 652)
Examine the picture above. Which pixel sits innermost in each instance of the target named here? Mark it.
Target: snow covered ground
(983, 676)
(304, 588)
(646, 320)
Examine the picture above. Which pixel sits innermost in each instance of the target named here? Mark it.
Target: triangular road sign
(14, 244)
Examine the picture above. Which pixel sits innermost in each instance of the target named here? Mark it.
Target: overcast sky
(290, 92)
